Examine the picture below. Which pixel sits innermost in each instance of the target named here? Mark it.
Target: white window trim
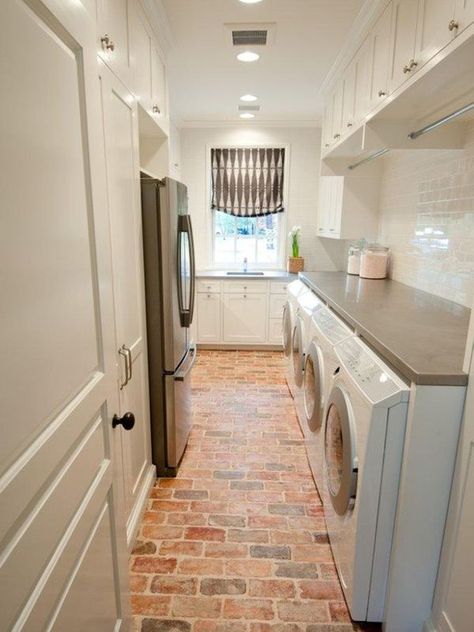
(283, 219)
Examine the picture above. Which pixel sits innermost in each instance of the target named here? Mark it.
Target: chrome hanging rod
(441, 121)
(373, 156)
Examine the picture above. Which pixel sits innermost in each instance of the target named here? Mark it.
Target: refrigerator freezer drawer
(178, 409)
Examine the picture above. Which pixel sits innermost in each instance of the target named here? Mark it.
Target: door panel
(245, 317)
(209, 317)
(120, 135)
(380, 53)
(140, 56)
(464, 13)
(113, 23)
(433, 28)
(58, 392)
(403, 38)
(158, 84)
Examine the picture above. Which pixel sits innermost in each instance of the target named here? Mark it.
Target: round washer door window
(297, 352)
(340, 451)
(286, 329)
(313, 388)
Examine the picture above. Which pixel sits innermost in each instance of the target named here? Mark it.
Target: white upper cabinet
(337, 100)
(404, 17)
(362, 80)
(435, 28)
(140, 56)
(158, 84)
(464, 15)
(380, 50)
(113, 41)
(327, 126)
(348, 100)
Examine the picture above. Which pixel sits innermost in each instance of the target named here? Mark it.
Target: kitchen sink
(251, 273)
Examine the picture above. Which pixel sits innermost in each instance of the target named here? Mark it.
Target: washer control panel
(309, 302)
(331, 326)
(373, 377)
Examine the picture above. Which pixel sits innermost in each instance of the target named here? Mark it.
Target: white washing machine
(295, 289)
(308, 304)
(325, 330)
(365, 419)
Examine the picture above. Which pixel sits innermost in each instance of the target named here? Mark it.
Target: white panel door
(380, 54)
(337, 101)
(453, 609)
(362, 80)
(122, 164)
(58, 495)
(348, 103)
(208, 318)
(464, 14)
(434, 32)
(404, 18)
(158, 84)
(245, 318)
(113, 36)
(140, 55)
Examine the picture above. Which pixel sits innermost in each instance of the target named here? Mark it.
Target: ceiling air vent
(249, 108)
(249, 37)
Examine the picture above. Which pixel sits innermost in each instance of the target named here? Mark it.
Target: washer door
(287, 329)
(313, 387)
(297, 351)
(340, 451)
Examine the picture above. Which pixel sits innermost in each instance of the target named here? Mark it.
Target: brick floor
(237, 542)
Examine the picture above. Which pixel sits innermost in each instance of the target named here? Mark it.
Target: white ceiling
(206, 80)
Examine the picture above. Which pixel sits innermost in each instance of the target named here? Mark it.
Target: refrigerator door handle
(192, 272)
(180, 376)
(186, 310)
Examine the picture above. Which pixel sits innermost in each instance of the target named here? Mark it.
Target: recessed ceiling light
(248, 97)
(250, 1)
(247, 115)
(248, 56)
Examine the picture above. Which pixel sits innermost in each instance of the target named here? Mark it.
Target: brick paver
(237, 542)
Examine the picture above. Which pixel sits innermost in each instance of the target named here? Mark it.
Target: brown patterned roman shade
(247, 182)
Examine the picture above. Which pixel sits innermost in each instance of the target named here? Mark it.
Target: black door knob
(127, 421)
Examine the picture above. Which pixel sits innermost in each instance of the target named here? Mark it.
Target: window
(247, 206)
(254, 238)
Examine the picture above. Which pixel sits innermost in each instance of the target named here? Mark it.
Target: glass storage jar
(353, 259)
(374, 262)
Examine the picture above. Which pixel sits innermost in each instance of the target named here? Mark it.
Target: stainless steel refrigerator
(169, 292)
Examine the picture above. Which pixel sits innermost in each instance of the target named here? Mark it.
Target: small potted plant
(295, 262)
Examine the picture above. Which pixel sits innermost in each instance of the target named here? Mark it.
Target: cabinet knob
(127, 421)
(336, 136)
(382, 93)
(453, 25)
(156, 110)
(245, 295)
(107, 43)
(406, 69)
(349, 124)
(208, 296)
(326, 144)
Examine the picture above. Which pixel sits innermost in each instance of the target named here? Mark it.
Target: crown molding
(216, 124)
(158, 17)
(365, 19)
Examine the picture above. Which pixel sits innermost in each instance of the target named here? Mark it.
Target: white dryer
(365, 419)
(325, 330)
(308, 304)
(295, 289)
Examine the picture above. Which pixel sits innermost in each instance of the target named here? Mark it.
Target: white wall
(427, 219)
(302, 169)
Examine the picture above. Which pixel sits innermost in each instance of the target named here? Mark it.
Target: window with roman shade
(246, 181)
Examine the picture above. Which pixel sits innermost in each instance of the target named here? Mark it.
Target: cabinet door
(275, 333)
(140, 56)
(362, 80)
(208, 318)
(348, 101)
(335, 206)
(337, 99)
(464, 14)
(433, 28)
(62, 542)
(245, 318)
(380, 46)
(158, 84)
(121, 150)
(277, 303)
(404, 19)
(327, 126)
(323, 206)
(112, 19)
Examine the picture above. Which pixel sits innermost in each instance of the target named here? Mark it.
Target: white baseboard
(239, 347)
(133, 523)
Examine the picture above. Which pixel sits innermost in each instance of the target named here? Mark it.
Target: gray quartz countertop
(273, 275)
(421, 335)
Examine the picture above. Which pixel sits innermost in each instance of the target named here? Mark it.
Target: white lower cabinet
(239, 312)
(209, 317)
(244, 317)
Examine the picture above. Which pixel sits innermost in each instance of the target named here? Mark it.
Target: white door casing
(119, 112)
(62, 545)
